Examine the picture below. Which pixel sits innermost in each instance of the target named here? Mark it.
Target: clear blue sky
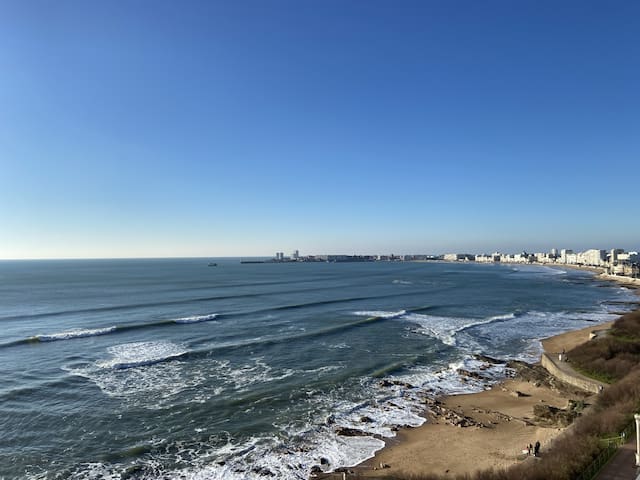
(151, 128)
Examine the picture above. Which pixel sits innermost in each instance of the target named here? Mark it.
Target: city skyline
(212, 129)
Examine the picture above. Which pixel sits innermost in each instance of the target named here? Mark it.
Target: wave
(445, 329)
(138, 354)
(136, 306)
(381, 314)
(92, 332)
(274, 340)
(71, 334)
(196, 318)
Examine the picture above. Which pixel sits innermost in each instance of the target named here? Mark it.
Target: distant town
(613, 262)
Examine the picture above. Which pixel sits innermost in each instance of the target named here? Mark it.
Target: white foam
(130, 355)
(243, 376)
(196, 318)
(402, 282)
(154, 386)
(448, 381)
(299, 446)
(76, 333)
(380, 313)
(445, 329)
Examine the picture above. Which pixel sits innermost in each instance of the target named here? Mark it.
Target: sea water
(174, 369)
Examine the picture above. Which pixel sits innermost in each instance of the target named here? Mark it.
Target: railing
(611, 446)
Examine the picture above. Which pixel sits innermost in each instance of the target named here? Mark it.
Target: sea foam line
(78, 333)
(445, 329)
(138, 354)
(196, 318)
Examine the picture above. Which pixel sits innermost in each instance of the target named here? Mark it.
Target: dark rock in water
(316, 469)
(139, 471)
(366, 419)
(330, 420)
(350, 432)
(391, 383)
(469, 374)
(324, 461)
(486, 359)
(265, 472)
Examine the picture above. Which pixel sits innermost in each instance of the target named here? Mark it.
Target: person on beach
(536, 449)
(529, 449)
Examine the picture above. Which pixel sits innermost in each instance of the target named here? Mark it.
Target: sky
(150, 128)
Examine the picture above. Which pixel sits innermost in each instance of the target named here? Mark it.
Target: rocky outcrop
(553, 416)
(450, 416)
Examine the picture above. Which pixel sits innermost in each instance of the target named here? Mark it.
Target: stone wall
(569, 376)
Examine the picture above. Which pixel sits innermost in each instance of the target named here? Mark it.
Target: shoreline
(505, 411)
(500, 425)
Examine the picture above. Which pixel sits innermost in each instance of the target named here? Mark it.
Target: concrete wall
(570, 377)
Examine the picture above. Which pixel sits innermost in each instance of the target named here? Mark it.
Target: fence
(611, 446)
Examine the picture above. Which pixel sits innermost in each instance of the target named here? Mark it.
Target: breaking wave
(196, 318)
(70, 334)
(137, 354)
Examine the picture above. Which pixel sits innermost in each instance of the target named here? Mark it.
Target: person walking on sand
(536, 449)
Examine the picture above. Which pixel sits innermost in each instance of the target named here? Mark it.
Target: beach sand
(509, 426)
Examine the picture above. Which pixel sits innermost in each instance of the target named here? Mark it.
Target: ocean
(170, 368)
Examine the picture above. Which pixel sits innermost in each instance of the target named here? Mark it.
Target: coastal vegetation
(614, 357)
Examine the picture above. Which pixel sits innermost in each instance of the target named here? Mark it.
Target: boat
(211, 264)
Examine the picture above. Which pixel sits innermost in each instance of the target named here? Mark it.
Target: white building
(568, 257)
(592, 257)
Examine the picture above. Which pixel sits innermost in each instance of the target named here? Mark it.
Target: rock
(518, 393)
(391, 383)
(366, 419)
(316, 469)
(553, 415)
(324, 461)
(265, 472)
(486, 359)
(469, 374)
(344, 470)
(350, 432)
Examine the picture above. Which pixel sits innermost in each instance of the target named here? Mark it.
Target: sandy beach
(501, 424)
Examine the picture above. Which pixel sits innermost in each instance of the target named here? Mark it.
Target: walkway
(623, 464)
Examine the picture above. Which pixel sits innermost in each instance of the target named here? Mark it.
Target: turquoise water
(173, 369)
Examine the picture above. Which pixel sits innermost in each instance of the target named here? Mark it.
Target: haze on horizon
(157, 128)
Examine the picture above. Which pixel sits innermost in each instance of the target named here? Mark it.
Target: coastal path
(623, 464)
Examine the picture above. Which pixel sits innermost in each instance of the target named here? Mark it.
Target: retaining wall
(572, 378)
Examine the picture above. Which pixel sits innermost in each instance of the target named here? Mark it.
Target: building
(458, 257)
(568, 257)
(592, 257)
